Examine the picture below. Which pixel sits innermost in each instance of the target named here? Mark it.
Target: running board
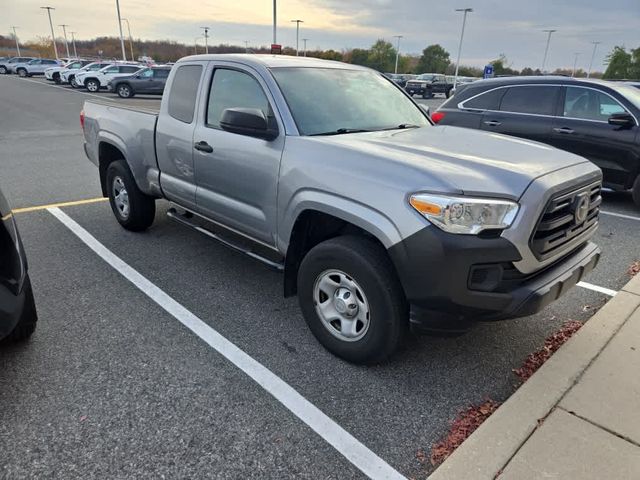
(185, 220)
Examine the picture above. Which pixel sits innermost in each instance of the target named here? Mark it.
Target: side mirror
(622, 120)
(247, 121)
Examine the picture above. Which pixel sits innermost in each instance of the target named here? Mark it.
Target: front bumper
(438, 273)
(416, 90)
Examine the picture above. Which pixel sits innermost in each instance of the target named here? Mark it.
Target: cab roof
(272, 61)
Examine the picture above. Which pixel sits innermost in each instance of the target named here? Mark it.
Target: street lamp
(464, 22)
(298, 22)
(575, 62)
(73, 41)
(546, 50)
(130, 38)
(274, 21)
(206, 39)
(593, 55)
(124, 54)
(304, 41)
(15, 36)
(53, 35)
(195, 43)
(397, 51)
(66, 42)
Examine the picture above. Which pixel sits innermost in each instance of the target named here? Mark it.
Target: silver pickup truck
(379, 220)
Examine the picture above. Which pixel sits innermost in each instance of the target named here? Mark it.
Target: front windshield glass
(332, 100)
(425, 77)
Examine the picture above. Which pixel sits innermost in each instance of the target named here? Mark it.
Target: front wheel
(133, 209)
(73, 83)
(635, 192)
(427, 94)
(92, 85)
(22, 72)
(3, 70)
(351, 299)
(56, 78)
(124, 90)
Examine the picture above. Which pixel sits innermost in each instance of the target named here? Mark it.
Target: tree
(500, 66)
(618, 64)
(434, 59)
(358, 56)
(634, 68)
(382, 56)
(42, 46)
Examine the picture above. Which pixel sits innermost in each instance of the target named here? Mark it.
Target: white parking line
(621, 215)
(347, 445)
(596, 288)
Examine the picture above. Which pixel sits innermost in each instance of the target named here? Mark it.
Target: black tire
(22, 72)
(447, 93)
(3, 70)
(635, 192)
(124, 90)
(427, 94)
(92, 85)
(367, 263)
(141, 207)
(72, 82)
(28, 320)
(56, 78)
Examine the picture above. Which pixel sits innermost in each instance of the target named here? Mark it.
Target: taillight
(82, 119)
(437, 116)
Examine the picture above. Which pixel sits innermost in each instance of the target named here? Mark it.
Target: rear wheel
(635, 193)
(27, 323)
(352, 300)
(22, 72)
(447, 93)
(92, 85)
(133, 209)
(124, 90)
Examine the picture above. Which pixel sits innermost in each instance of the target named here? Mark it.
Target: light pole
(575, 62)
(66, 42)
(53, 35)
(206, 39)
(298, 22)
(464, 22)
(246, 46)
(546, 50)
(195, 44)
(275, 16)
(124, 54)
(593, 55)
(73, 41)
(15, 36)
(397, 51)
(304, 41)
(130, 38)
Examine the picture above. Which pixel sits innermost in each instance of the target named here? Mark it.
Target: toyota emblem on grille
(581, 207)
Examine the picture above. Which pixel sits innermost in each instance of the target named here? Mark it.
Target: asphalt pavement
(113, 386)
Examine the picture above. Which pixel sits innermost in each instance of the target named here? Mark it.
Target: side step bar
(185, 220)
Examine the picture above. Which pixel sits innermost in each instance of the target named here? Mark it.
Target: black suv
(148, 80)
(428, 84)
(17, 308)
(596, 119)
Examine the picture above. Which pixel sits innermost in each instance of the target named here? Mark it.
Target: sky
(512, 27)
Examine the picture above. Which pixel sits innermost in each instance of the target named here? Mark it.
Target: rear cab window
(530, 99)
(184, 91)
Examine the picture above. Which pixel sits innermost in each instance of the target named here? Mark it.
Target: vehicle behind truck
(380, 222)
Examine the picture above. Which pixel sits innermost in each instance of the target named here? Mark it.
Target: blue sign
(488, 71)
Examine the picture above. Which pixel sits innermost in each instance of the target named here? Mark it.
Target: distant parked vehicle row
(53, 73)
(33, 67)
(94, 80)
(8, 63)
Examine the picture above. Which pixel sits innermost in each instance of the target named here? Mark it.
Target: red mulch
(634, 268)
(535, 360)
(463, 426)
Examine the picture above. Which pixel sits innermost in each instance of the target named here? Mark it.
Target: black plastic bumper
(435, 269)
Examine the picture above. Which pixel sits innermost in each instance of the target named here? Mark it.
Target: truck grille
(566, 218)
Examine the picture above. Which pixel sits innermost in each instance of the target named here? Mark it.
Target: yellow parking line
(61, 204)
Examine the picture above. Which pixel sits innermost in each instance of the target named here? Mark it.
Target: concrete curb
(486, 452)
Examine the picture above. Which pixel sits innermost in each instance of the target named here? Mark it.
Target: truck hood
(461, 160)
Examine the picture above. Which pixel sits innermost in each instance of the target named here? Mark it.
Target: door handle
(203, 147)
(493, 123)
(565, 130)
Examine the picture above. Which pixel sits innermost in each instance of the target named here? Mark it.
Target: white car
(68, 75)
(53, 74)
(94, 81)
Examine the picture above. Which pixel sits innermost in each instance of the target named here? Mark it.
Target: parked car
(34, 67)
(53, 73)
(5, 65)
(148, 80)
(592, 118)
(18, 315)
(68, 75)
(428, 84)
(95, 80)
(400, 78)
(378, 219)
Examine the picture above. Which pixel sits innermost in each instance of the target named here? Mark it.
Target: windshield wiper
(342, 131)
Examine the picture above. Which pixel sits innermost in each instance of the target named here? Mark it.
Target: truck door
(174, 135)
(237, 175)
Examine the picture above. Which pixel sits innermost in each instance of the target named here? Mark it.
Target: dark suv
(428, 84)
(592, 118)
(149, 80)
(17, 308)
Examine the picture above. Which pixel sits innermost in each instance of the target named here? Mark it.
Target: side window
(148, 73)
(161, 73)
(233, 89)
(111, 70)
(486, 101)
(588, 104)
(184, 89)
(132, 69)
(539, 100)
(50, 62)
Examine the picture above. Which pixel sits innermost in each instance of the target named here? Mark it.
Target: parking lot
(113, 385)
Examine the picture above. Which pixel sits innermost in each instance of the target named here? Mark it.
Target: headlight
(465, 215)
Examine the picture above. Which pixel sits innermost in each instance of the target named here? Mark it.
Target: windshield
(331, 100)
(630, 93)
(425, 77)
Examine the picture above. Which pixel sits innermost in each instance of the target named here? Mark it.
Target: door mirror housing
(622, 120)
(247, 121)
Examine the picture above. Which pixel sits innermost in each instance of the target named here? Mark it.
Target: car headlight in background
(464, 215)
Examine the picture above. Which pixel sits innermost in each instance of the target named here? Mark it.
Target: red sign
(276, 49)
